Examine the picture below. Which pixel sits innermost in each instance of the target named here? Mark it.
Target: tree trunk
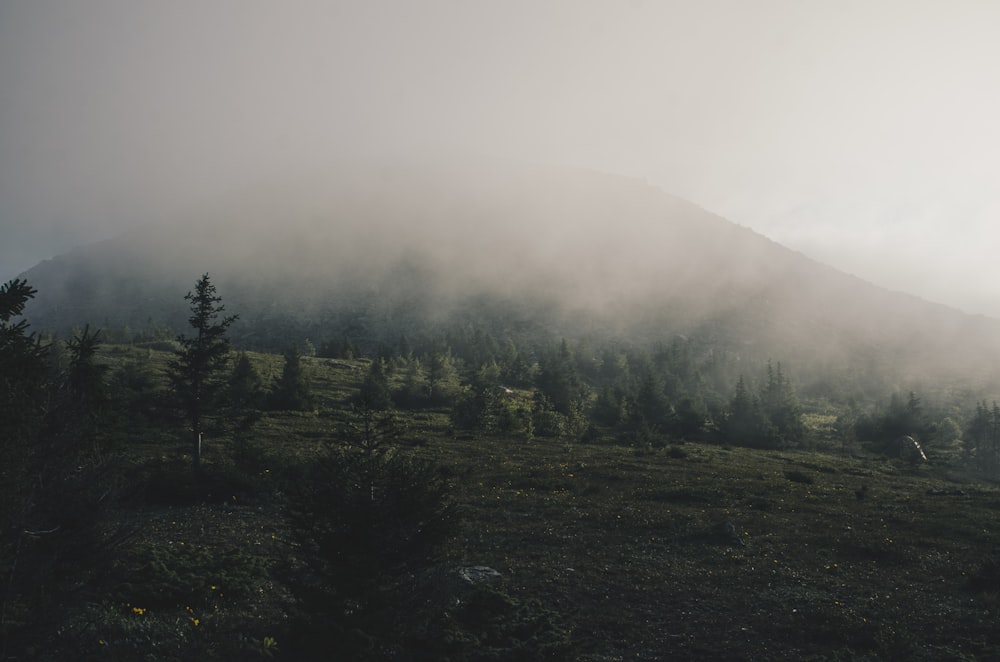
(196, 454)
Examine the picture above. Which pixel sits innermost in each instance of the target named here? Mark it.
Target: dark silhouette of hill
(569, 251)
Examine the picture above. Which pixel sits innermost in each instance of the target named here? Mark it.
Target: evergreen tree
(898, 418)
(246, 392)
(135, 393)
(741, 419)
(691, 416)
(416, 389)
(23, 369)
(976, 433)
(493, 408)
(196, 370)
(375, 392)
(442, 377)
(610, 407)
(746, 424)
(982, 444)
(781, 406)
(514, 367)
(948, 434)
(368, 518)
(24, 387)
(84, 402)
(480, 408)
(651, 409)
(246, 386)
(559, 381)
(54, 488)
(292, 392)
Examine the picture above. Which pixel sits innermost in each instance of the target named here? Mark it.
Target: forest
(480, 488)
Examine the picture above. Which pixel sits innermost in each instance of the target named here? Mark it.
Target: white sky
(865, 134)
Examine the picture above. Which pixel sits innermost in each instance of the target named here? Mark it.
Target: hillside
(563, 551)
(572, 252)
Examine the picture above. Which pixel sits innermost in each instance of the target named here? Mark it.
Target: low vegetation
(405, 506)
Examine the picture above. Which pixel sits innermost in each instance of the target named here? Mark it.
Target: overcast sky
(865, 134)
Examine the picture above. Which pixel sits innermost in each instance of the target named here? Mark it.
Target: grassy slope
(690, 552)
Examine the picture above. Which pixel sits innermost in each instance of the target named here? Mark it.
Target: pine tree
(781, 405)
(246, 392)
(746, 424)
(85, 403)
(24, 387)
(740, 418)
(375, 392)
(54, 491)
(651, 409)
(559, 381)
(442, 377)
(292, 391)
(23, 371)
(195, 372)
(416, 388)
(369, 519)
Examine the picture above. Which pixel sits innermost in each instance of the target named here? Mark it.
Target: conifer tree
(443, 384)
(292, 391)
(84, 402)
(740, 419)
(23, 390)
(559, 381)
(781, 405)
(651, 409)
(368, 518)
(195, 372)
(246, 392)
(375, 392)
(23, 370)
(416, 388)
(54, 492)
(746, 423)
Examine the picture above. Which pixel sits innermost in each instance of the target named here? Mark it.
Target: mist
(862, 134)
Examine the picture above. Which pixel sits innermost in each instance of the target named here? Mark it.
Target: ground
(689, 551)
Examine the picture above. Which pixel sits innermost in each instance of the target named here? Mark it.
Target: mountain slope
(569, 250)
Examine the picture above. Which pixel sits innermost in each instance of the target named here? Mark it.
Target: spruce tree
(84, 400)
(559, 381)
(196, 370)
(781, 405)
(375, 391)
(416, 389)
(246, 393)
(54, 490)
(24, 388)
(443, 384)
(292, 391)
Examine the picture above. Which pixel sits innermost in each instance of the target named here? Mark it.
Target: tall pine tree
(197, 369)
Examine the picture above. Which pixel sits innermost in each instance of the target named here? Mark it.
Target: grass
(687, 552)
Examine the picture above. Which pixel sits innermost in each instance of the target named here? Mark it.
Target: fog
(861, 133)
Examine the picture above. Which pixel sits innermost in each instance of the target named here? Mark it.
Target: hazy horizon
(861, 133)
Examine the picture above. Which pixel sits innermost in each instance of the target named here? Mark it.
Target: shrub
(367, 518)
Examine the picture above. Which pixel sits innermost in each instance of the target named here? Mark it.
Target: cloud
(812, 123)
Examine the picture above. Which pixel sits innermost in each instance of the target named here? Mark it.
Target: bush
(367, 519)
